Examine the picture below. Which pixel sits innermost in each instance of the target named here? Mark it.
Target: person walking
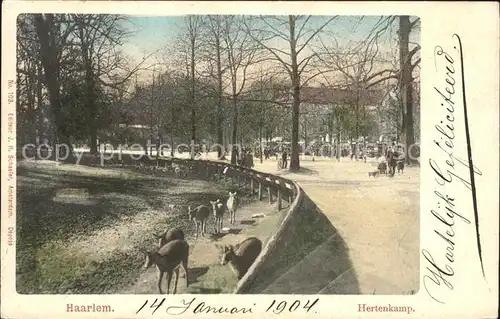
(284, 158)
(249, 161)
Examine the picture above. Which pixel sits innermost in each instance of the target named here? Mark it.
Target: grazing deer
(167, 260)
(200, 216)
(218, 210)
(232, 206)
(178, 170)
(168, 236)
(241, 256)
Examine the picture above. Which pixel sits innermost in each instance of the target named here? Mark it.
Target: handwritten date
(194, 307)
(280, 307)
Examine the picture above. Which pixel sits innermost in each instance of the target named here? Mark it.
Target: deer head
(158, 236)
(227, 254)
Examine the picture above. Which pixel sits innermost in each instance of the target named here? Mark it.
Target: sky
(156, 33)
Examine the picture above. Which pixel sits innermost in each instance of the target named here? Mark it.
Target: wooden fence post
(260, 190)
(270, 194)
(279, 198)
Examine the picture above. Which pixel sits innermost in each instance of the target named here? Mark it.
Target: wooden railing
(266, 186)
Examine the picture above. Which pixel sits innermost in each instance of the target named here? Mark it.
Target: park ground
(378, 218)
(79, 228)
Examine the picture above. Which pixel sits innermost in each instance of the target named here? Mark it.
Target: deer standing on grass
(178, 170)
(200, 216)
(168, 259)
(232, 206)
(218, 210)
(241, 256)
(169, 235)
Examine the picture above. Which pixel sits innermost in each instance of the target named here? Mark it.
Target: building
(326, 111)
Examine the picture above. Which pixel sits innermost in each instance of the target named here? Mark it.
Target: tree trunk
(30, 112)
(39, 99)
(305, 132)
(193, 97)
(294, 157)
(90, 88)
(234, 148)
(48, 55)
(330, 134)
(220, 115)
(406, 82)
(261, 123)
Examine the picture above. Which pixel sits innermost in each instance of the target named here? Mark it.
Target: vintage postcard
(256, 159)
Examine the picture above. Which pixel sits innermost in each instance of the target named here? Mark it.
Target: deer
(232, 206)
(178, 170)
(168, 259)
(169, 235)
(200, 216)
(241, 256)
(218, 210)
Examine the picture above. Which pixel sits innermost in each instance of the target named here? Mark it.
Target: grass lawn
(79, 229)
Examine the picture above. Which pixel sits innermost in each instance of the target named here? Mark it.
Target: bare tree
(215, 30)
(53, 39)
(403, 72)
(193, 29)
(294, 31)
(100, 38)
(242, 52)
(29, 101)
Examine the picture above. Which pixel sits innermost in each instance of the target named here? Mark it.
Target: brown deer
(200, 216)
(167, 260)
(169, 235)
(241, 256)
(232, 206)
(218, 210)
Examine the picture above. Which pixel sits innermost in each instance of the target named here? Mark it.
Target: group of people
(246, 158)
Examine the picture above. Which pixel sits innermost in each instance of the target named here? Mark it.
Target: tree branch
(315, 33)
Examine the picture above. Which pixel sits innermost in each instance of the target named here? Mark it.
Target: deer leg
(185, 267)
(160, 278)
(176, 279)
(169, 279)
(196, 225)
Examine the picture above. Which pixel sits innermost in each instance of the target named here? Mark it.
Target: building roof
(335, 96)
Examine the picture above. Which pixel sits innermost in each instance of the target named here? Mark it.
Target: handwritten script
(448, 169)
(195, 306)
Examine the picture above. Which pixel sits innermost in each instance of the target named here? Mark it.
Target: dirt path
(206, 274)
(377, 217)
